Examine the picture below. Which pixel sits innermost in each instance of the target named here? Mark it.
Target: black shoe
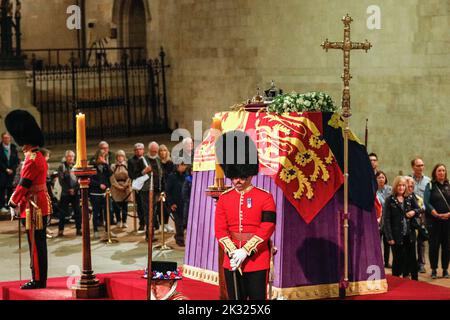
(387, 266)
(33, 285)
(141, 228)
(180, 243)
(422, 269)
(445, 274)
(433, 274)
(79, 233)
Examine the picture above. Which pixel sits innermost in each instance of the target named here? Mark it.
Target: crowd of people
(415, 210)
(121, 179)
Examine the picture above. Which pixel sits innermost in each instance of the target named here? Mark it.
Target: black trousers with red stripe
(38, 257)
(251, 285)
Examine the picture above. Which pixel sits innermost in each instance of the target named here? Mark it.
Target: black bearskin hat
(22, 126)
(237, 155)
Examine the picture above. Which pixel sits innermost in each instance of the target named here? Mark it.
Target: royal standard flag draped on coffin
(292, 150)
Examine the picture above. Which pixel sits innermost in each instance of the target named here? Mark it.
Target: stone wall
(221, 50)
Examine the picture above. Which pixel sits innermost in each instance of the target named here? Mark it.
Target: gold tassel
(39, 220)
(27, 219)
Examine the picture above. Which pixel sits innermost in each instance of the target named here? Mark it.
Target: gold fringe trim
(321, 291)
(199, 274)
(326, 291)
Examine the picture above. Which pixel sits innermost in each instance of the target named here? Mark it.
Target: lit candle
(220, 175)
(81, 142)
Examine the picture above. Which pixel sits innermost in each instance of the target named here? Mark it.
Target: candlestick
(81, 141)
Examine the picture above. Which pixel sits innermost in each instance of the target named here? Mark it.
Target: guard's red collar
(248, 189)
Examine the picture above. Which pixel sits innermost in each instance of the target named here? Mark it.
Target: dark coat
(167, 168)
(393, 216)
(157, 173)
(186, 194)
(102, 177)
(67, 179)
(174, 190)
(5, 179)
(110, 158)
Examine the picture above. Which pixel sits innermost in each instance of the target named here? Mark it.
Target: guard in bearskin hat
(245, 219)
(30, 201)
(165, 276)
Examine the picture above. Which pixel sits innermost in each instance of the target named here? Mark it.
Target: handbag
(445, 200)
(423, 234)
(138, 183)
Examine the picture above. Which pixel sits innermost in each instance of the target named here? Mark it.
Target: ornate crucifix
(346, 46)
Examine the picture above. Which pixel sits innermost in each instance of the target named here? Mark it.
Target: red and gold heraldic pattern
(32, 185)
(291, 150)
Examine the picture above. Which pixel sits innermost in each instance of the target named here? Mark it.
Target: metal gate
(121, 99)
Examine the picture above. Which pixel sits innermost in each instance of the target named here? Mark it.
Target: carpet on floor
(131, 286)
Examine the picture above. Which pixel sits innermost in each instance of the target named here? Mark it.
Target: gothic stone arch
(122, 18)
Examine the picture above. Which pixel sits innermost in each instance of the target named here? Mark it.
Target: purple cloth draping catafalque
(308, 254)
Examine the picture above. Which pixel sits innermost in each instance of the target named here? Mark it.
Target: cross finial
(346, 46)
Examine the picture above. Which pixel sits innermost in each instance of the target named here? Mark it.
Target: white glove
(14, 213)
(237, 258)
(233, 265)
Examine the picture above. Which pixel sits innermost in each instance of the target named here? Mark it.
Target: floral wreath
(302, 102)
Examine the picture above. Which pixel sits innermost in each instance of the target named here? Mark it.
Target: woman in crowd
(167, 167)
(97, 189)
(400, 229)
(437, 199)
(120, 188)
(383, 192)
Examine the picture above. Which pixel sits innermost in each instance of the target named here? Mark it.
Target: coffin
(309, 262)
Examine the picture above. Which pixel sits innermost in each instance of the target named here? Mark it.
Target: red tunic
(246, 220)
(32, 185)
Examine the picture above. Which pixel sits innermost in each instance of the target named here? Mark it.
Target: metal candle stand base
(88, 286)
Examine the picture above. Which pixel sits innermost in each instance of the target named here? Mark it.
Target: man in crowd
(421, 182)
(109, 156)
(9, 161)
(155, 162)
(188, 151)
(69, 193)
(174, 191)
(374, 162)
(145, 166)
(134, 173)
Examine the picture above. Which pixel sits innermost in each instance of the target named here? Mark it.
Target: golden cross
(346, 46)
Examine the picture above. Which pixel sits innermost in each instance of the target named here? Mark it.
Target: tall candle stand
(88, 286)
